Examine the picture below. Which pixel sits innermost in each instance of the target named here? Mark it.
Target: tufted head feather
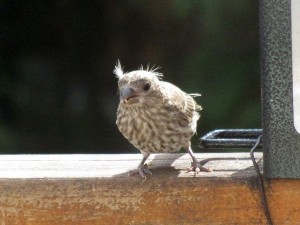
(152, 70)
(118, 71)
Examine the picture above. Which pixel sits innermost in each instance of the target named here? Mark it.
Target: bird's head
(138, 86)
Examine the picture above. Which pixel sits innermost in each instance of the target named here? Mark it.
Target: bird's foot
(143, 171)
(196, 167)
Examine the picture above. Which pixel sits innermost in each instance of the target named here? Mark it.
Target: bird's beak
(127, 93)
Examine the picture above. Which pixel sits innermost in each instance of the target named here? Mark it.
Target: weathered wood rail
(96, 189)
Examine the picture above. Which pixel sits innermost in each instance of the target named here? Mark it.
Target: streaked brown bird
(155, 116)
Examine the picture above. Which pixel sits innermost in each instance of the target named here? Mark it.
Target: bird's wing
(181, 101)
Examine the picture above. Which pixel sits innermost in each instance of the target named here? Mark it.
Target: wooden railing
(96, 189)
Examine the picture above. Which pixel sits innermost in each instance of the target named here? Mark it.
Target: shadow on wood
(95, 189)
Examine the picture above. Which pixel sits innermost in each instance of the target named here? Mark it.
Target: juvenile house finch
(155, 116)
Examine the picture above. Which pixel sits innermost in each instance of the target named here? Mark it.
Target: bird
(156, 116)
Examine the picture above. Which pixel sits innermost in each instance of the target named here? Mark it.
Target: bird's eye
(146, 87)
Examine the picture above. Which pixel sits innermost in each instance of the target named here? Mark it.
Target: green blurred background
(57, 90)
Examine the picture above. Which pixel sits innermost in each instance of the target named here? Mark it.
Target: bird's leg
(195, 164)
(143, 168)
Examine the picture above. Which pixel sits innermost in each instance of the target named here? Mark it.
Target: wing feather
(181, 101)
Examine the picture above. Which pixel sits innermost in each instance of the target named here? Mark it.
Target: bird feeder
(280, 69)
(280, 85)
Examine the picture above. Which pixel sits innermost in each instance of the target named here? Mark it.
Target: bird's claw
(143, 171)
(196, 167)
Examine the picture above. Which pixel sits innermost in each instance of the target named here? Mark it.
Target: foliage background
(57, 90)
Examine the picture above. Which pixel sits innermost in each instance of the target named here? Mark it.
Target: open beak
(127, 93)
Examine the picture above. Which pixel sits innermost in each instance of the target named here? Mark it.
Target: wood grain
(96, 189)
